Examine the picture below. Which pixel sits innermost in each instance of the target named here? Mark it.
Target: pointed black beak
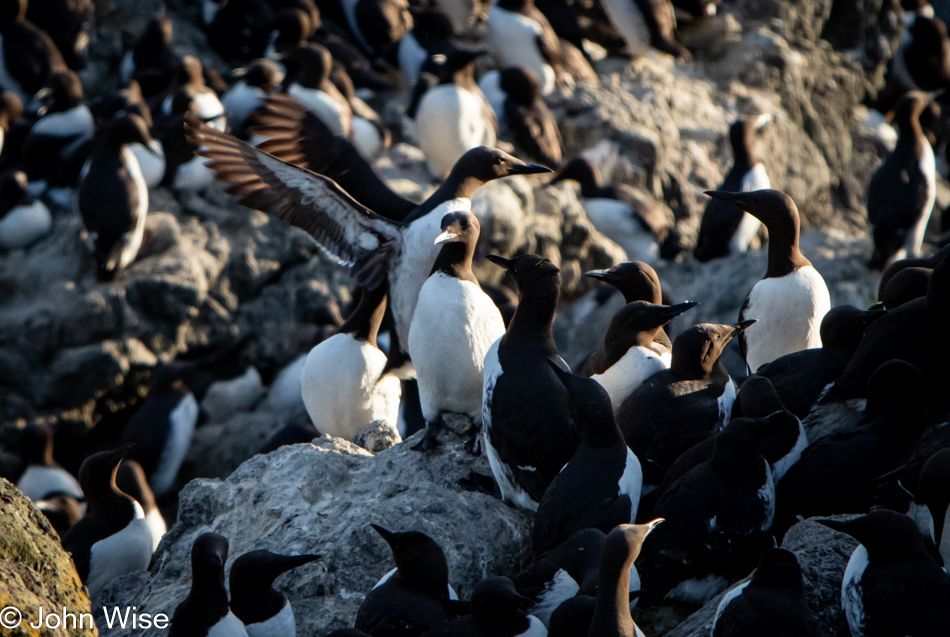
(739, 328)
(387, 535)
(733, 198)
(291, 562)
(499, 260)
(529, 169)
(601, 275)
(675, 310)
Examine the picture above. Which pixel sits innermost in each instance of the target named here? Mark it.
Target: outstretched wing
(349, 232)
(297, 136)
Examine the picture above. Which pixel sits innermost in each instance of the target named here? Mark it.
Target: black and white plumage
(792, 298)
(600, 485)
(344, 380)
(630, 354)
(113, 538)
(454, 116)
(801, 377)
(892, 584)
(27, 54)
(191, 81)
(308, 81)
(902, 191)
(430, 35)
(611, 617)
(771, 603)
(835, 471)
(263, 610)
(112, 197)
(131, 480)
(413, 597)
(528, 427)
(678, 407)
(205, 611)
(519, 35)
(620, 212)
(161, 429)
(498, 610)
(23, 219)
(644, 24)
(933, 491)
(453, 326)
(43, 476)
(725, 229)
(378, 248)
(718, 516)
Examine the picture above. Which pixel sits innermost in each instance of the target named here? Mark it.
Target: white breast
(513, 39)
(327, 109)
(627, 18)
(623, 377)
(284, 395)
(225, 398)
(156, 527)
(228, 626)
(767, 496)
(726, 600)
(211, 110)
(614, 219)
(38, 481)
(454, 325)
(781, 467)
(561, 587)
(194, 174)
(124, 552)
(415, 263)
(181, 423)
(152, 167)
(726, 400)
(75, 121)
(755, 179)
(282, 624)
(239, 101)
(852, 602)
(411, 58)
(944, 544)
(450, 121)
(342, 389)
(631, 483)
(915, 237)
(23, 225)
(366, 138)
(789, 310)
(535, 628)
(133, 239)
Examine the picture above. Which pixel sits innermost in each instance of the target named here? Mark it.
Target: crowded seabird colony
(783, 471)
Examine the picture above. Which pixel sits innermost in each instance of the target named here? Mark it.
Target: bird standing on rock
(792, 298)
(205, 612)
(264, 611)
(453, 326)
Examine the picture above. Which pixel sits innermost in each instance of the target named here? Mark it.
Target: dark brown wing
(298, 137)
(349, 232)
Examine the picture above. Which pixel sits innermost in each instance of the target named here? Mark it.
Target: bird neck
(534, 317)
(455, 260)
(457, 187)
(612, 609)
(784, 254)
(464, 78)
(365, 320)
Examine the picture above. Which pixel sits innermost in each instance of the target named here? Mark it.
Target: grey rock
(377, 436)
(321, 498)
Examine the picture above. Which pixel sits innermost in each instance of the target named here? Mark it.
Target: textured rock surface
(35, 571)
(321, 498)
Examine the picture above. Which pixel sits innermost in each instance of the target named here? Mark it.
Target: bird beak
(384, 533)
(529, 169)
(601, 275)
(741, 327)
(446, 237)
(655, 523)
(675, 310)
(217, 559)
(733, 198)
(499, 260)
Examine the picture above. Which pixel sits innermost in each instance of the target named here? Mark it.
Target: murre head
(742, 137)
(36, 443)
(907, 285)
(520, 85)
(584, 172)
(97, 477)
(263, 74)
(737, 448)
(842, 328)
(308, 65)
(496, 602)
(885, 534)
(459, 66)
(458, 239)
(622, 547)
(11, 109)
(757, 397)
(908, 110)
(778, 568)
(419, 559)
(383, 23)
(591, 403)
(697, 349)
(459, 227)
(209, 554)
(290, 28)
(127, 128)
(253, 598)
(636, 280)
(530, 272)
(190, 72)
(780, 215)
(639, 322)
(62, 91)
(480, 165)
(897, 390)
(430, 27)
